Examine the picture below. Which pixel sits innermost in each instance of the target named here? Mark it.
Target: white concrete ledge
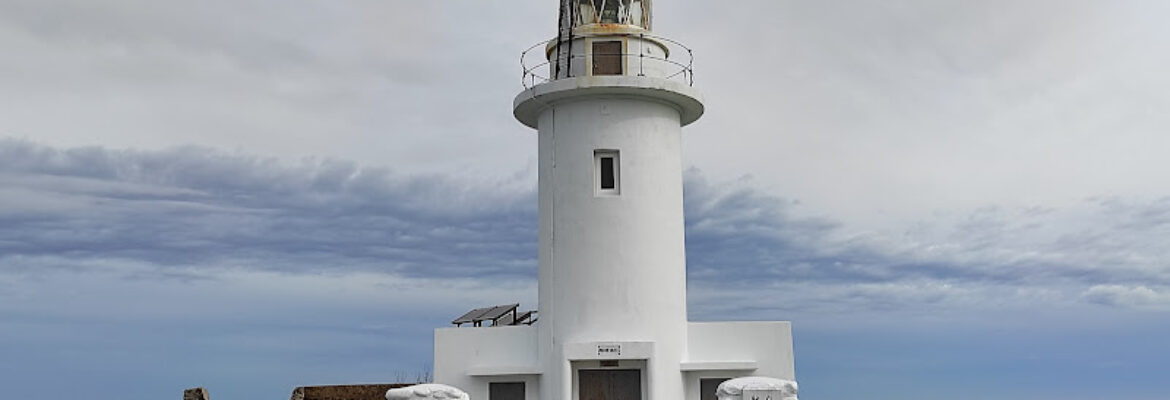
(718, 366)
(504, 370)
(530, 103)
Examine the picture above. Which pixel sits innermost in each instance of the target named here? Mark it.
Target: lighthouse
(608, 99)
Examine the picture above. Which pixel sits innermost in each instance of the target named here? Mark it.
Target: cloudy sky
(959, 200)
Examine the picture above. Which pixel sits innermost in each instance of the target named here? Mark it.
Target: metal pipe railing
(683, 69)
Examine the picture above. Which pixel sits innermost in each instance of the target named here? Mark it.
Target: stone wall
(345, 392)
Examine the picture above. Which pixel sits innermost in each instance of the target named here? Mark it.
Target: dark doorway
(610, 384)
(607, 58)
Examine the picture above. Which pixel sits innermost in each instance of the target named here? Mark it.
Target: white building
(612, 297)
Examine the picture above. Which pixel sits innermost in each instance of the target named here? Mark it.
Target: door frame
(639, 365)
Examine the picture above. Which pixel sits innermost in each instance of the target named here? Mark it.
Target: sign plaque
(609, 349)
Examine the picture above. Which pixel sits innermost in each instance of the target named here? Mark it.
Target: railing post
(690, 67)
(641, 54)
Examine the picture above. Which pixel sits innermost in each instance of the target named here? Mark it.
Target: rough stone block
(196, 394)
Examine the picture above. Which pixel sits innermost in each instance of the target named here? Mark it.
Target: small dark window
(607, 181)
(607, 58)
(506, 391)
(707, 388)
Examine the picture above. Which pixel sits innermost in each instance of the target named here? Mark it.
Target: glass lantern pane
(626, 12)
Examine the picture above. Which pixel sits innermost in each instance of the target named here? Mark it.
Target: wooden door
(610, 384)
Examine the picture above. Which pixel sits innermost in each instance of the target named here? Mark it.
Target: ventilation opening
(607, 58)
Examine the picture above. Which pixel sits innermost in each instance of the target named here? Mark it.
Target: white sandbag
(757, 388)
(427, 391)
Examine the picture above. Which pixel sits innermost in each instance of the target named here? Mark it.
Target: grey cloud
(743, 243)
(185, 208)
(256, 35)
(1128, 296)
(907, 107)
(192, 206)
(367, 80)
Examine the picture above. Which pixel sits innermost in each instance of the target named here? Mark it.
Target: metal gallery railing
(679, 60)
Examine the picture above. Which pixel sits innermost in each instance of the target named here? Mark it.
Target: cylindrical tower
(612, 257)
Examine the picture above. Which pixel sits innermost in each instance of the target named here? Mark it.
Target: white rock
(426, 391)
(734, 389)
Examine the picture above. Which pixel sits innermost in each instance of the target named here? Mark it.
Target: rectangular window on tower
(607, 175)
(607, 58)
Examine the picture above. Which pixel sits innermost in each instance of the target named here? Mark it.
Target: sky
(948, 199)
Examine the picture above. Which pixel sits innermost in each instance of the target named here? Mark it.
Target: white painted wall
(769, 343)
(612, 268)
(642, 56)
(470, 358)
(766, 344)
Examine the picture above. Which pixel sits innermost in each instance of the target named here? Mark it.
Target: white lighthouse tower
(608, 107)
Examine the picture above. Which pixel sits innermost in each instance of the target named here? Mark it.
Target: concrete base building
(608, 100)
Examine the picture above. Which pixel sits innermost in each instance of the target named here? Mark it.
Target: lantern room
(621, 12)
(606, 38)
